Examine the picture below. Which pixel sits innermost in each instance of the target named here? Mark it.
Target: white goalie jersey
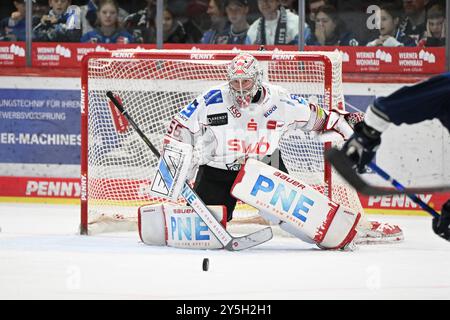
(228, 135)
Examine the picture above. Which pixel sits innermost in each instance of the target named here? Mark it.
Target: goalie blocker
(173, 169)
(297, 207)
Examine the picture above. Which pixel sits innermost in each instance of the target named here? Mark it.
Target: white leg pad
(178, 226)
(305, 212)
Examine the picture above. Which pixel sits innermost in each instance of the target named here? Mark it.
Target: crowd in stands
(264, 22)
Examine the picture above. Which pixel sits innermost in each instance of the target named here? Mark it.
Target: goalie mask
(244, 79)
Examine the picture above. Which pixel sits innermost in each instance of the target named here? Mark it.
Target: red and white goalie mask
(244, 79)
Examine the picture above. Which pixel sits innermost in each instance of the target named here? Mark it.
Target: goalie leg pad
(173, 168)
(298, 205)
(178, 226)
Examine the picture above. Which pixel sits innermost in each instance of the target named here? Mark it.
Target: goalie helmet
(244, 79)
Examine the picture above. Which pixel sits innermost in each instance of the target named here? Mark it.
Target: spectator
(313, 6)
(13, 27)
(40, 8)
(390, 33)
(173, 29)
(291, 5)
(108, 28)
(414, 20)
(236, 32)
(218, 21)
(89, 15)
(277, 26)
(330, 30)
(435, 34)
(62, 24)
(141, 24)
(197, 20)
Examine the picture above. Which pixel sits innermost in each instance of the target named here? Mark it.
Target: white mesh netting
(153, 86)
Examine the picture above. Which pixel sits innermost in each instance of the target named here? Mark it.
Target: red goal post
(153, 85)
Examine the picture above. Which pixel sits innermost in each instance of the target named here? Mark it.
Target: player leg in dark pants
(213, 186)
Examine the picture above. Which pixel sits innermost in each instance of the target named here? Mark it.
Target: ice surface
(42, 257)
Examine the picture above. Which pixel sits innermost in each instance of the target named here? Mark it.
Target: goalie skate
(379, 233)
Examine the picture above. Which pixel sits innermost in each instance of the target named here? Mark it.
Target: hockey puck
(205, 264)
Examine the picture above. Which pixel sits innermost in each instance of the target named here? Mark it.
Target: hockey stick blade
(251, 240)
(228, 241)
(344, 167)
(223, 236)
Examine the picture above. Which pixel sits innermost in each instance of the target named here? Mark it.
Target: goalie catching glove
(339, 125)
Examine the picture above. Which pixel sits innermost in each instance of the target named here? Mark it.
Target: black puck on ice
(205, 264)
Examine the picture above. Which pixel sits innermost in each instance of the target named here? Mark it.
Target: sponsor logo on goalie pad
(178, 226)
(281, 196)
(295, 203)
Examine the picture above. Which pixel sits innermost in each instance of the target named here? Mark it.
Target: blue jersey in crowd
(96, 36)
(424, 101)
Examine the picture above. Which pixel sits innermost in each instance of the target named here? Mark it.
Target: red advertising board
(399, 60)
(39, 189)
(27, 188)
(401, 204)
(415, 60)
(12, 54)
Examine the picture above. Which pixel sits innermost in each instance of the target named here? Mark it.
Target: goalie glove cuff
(361, 148)
(376, 120)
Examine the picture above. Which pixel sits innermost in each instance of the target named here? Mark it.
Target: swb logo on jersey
(242, 146)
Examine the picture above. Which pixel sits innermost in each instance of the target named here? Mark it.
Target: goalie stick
(344, 166)
(226, 239)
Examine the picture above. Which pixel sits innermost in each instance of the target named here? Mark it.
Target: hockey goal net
(117, 166)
